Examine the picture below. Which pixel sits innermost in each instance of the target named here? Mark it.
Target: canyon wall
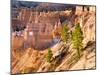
(64, 56)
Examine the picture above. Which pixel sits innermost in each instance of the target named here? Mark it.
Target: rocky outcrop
(89, 28)
(66, 59)
(64, 55)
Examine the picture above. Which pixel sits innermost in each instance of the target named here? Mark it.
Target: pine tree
(49, 55)
(77, 38)
(64, 33)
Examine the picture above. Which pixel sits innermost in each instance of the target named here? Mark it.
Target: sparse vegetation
(77, 38)
(49, 55)
(64, 33)
(45, 41)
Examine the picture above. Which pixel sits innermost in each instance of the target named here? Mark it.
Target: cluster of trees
(76, 39)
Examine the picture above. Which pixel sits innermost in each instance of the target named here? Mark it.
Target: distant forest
(41, 6)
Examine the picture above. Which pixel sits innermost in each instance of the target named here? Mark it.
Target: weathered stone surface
(31, 60)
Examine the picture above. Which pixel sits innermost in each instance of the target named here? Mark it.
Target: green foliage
(64, 33)
(49, 55)
(77, 38)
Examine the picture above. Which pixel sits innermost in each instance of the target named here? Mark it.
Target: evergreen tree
(64, 33)
(77, 38)
(49, 55)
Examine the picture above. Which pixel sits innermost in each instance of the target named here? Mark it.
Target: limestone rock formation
(38, 32)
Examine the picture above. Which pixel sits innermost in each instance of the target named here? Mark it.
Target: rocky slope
(64, 56)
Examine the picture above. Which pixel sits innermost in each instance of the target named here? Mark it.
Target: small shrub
(49, 55)
(64, 33)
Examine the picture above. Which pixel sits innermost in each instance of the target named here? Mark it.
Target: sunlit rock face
(37, 36)
(89, 29)
(86, 18)
(38, 28)
(41, 31)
